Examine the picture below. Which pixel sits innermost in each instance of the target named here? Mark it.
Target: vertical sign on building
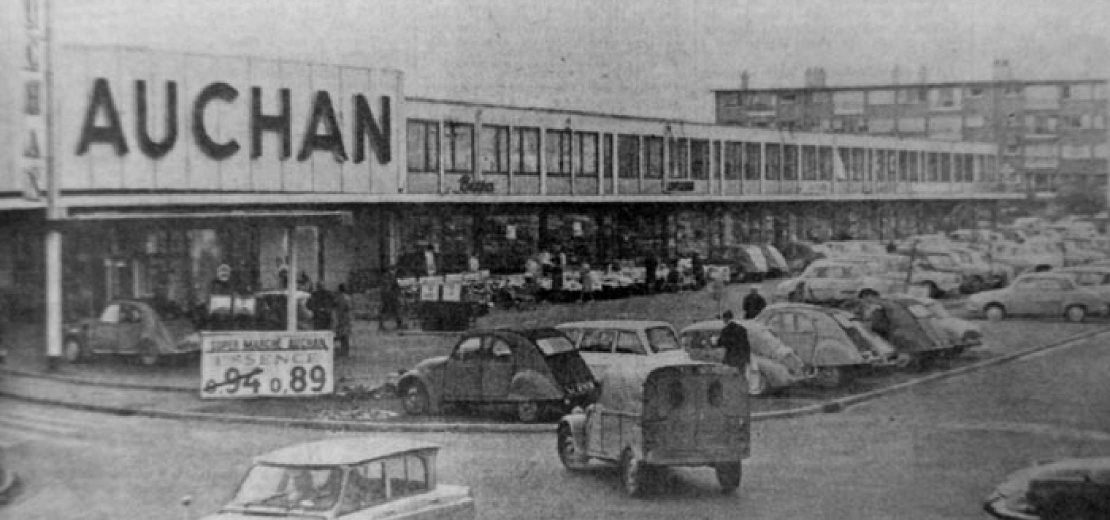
(32, 139)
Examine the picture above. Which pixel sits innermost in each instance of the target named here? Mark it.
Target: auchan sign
(131, 119)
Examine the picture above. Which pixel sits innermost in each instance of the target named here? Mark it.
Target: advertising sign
(246, 363)
(141, 119)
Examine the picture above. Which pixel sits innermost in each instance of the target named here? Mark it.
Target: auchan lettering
(322, 133)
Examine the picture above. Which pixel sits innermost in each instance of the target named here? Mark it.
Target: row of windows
(937, 97)
(642, 156)
(500, 149)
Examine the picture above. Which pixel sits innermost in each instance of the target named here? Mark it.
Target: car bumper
(997, 507)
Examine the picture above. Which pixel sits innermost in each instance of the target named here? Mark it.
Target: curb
(831, 406)
(90, 382)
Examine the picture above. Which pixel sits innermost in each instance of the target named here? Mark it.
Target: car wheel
(1070, 508)
(932, 290)
(414, 399)
(73, 351)
(633, 474)
(568, 450)
(528, 411)
(729, 475)
(757, 383)
(868, 292)
(148, 353)
(829, 377)
(995, 312)
(1075, 313)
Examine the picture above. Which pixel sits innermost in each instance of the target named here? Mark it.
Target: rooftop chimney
(744, 78)
(1001, 71)
(815, 77)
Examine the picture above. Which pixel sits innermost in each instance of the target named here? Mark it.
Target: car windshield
(662, 339)
(552, 345)
(289, 487)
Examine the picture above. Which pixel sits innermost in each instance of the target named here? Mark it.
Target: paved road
(930, 453)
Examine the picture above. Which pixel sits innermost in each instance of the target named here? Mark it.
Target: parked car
(353, 477)
(1034, 255)
(916, 333)
(531, 370)
(799, 254)
(777, 265)
(129, 328)
(1077, 488)
(962, 333)
(603, 343)
(834, 280)
(1039, 293)
(656, 414)
(1093, 277)
(855, 247)
(773, 365)
(831, 342)
(745, 262)
(937, 282)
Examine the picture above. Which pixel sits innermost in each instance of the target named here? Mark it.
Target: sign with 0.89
(266, 363)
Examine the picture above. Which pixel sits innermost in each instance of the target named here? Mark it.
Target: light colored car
(835, 280)
(656, 414)
(1093, 277)
(1032, 255)
(602, 343)
(962, 333)
(855, 247)
(1042, 294)
(773, 364)
(936, 281)
(831, 342)
(1076, 488)
(349, 478)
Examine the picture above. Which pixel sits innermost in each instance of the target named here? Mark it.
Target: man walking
(734, 339)
(391, 300)
(753, 304)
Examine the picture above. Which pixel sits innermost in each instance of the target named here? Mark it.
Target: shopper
(753, 304)
(734, 339)
(588, 287)
(321, 303)
(341, 317)
(390, 300)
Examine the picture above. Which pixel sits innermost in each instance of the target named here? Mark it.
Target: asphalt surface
(930, 452)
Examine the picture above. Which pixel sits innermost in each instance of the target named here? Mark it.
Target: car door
(498, 367)
(462, 372)
(1048, 299)
(102, 333)
(596, 348)
(785, 326)
(130, 329)
(1022, 296)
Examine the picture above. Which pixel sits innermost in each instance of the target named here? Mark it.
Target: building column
(53, 252)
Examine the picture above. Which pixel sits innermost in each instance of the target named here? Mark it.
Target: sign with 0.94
(247, 363)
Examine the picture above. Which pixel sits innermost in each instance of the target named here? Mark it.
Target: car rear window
(554, 345)
(662, 339)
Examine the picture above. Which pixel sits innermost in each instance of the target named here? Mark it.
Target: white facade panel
(219, 155)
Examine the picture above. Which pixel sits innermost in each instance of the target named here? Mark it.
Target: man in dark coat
(391, 300)
(320, 302)
(734, 339)
(651, 264)
(753, 304)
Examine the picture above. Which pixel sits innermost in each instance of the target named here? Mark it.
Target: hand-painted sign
(266, 363)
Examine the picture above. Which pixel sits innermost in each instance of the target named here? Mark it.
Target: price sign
(248, 363)
(429, 292)
(452, 292)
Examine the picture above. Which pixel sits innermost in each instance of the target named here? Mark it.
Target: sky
(638, 57)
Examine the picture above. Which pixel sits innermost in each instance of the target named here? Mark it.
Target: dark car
(917, 334)
(1064, 489)
(533, 371)
(130, 328)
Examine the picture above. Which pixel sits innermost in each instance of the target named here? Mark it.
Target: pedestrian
(321, 304)
(429, 260)
(557, 281)
(391, 300)
(587, 281)
(734, 339)
(753, 303)
(651, 264)
(699, 270)
(341, 317)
